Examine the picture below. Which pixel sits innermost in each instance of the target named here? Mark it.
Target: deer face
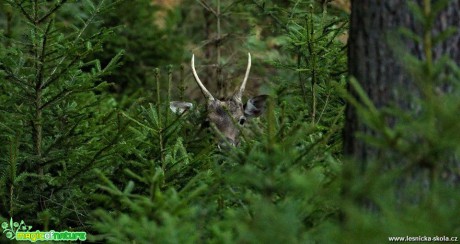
(229, 115)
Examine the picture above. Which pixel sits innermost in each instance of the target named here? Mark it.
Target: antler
(205, 92)
(240, 92)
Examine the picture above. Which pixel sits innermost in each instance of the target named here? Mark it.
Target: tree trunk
(378, 69)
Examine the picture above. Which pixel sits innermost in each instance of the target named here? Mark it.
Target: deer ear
(180, 107)
(255, 106)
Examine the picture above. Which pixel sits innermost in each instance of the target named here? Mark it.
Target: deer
(227, 115)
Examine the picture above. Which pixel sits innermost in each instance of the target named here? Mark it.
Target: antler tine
(205, 91)
(239, 95)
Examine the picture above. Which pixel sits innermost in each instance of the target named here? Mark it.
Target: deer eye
(242, 120)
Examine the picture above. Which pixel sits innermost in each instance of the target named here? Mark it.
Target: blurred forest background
(360, 140)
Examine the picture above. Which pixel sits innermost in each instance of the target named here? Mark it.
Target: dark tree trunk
(378, 69)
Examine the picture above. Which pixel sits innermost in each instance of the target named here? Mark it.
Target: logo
(22, 232)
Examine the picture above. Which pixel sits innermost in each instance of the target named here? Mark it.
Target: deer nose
(226, 143)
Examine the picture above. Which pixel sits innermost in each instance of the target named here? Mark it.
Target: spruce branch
(207, 7)
(77, 38)
(55, 77)
(42, 55)
(61, 137)
(53, 10)
(14, 78)
(23, 11)
(86, 167)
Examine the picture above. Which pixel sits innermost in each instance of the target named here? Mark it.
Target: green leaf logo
(13, 227)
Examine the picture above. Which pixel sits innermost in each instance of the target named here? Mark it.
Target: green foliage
(312, 55)
(148, 41)
(272, 185)
(72, 159)
(411, 188)
(56, 121)
(281, 185)
(155, 171)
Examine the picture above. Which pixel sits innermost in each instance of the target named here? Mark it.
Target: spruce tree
(56, 121)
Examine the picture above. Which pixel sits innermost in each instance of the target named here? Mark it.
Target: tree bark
(378, 69)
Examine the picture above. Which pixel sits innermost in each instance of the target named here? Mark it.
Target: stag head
(227, 115)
